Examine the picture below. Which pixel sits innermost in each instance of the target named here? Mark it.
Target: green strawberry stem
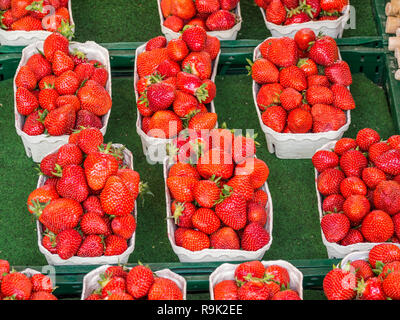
(144, 190)
(202, 93)
(66, 30)
(37, 207)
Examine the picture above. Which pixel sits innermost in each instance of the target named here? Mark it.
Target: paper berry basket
(226, 271)
(155, 148)
(334, 250)
(24, 38)
(54, 259)
(299, 145)
(36, 147)
(214, 255)
(90, 280)
(230, 34)
(333, 28)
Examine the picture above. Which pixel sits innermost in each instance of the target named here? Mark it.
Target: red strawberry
(318, 80)
(356, 207)
(85, 118)
(275, 12)
(376, 149)
(221, 20)
(389, 162)
(207, 6)
(386, 197)
(56, 41)
(324, 51)
(253, 269)
(60, 121)
(353, 236)
(282, 52)
(339, 284)
(275, 118)
(325, 159)
(26, 101)
(139, 281)
(16, 285)
(62, 62)
(92, 246)
(377, 226)
(206, 193)
(343, 98)
(339, 73)
(92, 223)
(353, 162)
(385, 253)
(319, 95)
(232, 211)
(373, 176)
(328, 181)
(391, 286)
(195, 38)
(67, 83)
(254, 237)
(290, 99)
(327, 118)
(278, 274)
(226, 290)
(256, 168)
(33, 125)
(195, 240)
(164, 289)
(26, 78)
(41, 282)
(27, 23)
(333, 203)
(286, 295)
(344, 145)
(352, 185)
(181, 188)
(89, 140)
(40, 66)
(254, 290)
(293, 77)
(72, 183)
(335, 226)
(174, 23)
(116, 198)
(303, 37)
(362, 269)
(124, 226)
(225, 238)
(269, 95)
(156, 42)
(215, 162)
(206, 220)
(299, 121)
(95, 98)
(366, 138)
(68, 243)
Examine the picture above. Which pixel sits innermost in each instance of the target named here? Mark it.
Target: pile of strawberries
(19, 286)
(303, 84)
(212, 15)
(375, 278)
(120, 283)
(215, 187)
(59, 90)
(174, 85)
(287, 12)
(35, 15)
(359, 181)
(86, 205)
(253, 281)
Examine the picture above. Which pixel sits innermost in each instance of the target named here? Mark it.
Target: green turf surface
(296, 231)
(138, 20)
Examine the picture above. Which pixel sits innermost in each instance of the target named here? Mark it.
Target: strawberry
(335, 226)
(212, 46)
(181, 169)
(394, 141)
(184, 9)
(232, 211)
(325, 159)
(205, 220)
(386, 197)
(199, 64)
(148, 61)
(203, 121)
(85, 118)
(370, 289)
(339, 73)
(72, 183)
(362, 269)
(225, 238)
(195, 38)
(4, 268)
(26, 101)
(164, 124)
(92, 246)
(221, 20)
(43, 295)
(131, 178)
(115, 245)
(333, 203)
(48, 164)
(27, 23)
(391, 286)
(352, 185)
(195, 240)
(60, 121)
(67, 83)
(263, 71)
(33, 125)
(286, 295)
(366, 138)
(377, 226)
(207, 6)
(92, 223)
(116, 271)
(384, 253)
(344, 145)
(41, 282)
(353, 162)
(250, 269)
(352, 237)
(339, 284)
(373, 176)
(181, 188)
(254, 290)
(174, 23)
(269, 95)
(318, 80)
(116, 198)
(376, 149)
(254, 237)
(319, 95)
(26, 78)
(226, 290)
(177, 50)
(275, 12)
(293, 77)
(89, 141)
(95, 98)
(299, 121)
(206, 192)
(290, 99)
(16, 285)
(124, 226)
(329, 181)
(389, 162)
(68, 243)
(111, 285)
(40, 66)
(333, 5)
(156, 42)
(6, 19)
(308, 66)
(342, 97)
(324, 51)
(215, 162)
(56, 41)
(277, 274)
(356, 207)
(92, 204)
(275, 118)
(164, 289)
(296, 17)
(303, 37)
(241, 185)
(84, 71)
(61, 63)
(256, 168)
(282, 52)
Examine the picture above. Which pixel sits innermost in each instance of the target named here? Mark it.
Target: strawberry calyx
(334, 13)
(189, 116)
(179, 209)
(110, 149)
(226, 192)
(37, 207)
(202, 93)
(66, 29)
(2, 25)
(308, 9)
(58, 171)
(144, 190)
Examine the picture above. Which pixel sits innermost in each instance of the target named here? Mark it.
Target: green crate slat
(378, 7)
(69, 278)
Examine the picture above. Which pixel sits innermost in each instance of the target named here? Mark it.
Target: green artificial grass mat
(296, 231)
(138, 20)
